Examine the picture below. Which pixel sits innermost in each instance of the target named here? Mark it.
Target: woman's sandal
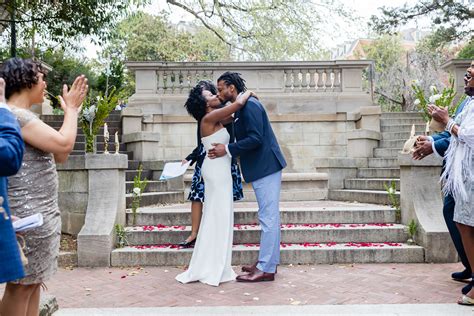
(466, 300)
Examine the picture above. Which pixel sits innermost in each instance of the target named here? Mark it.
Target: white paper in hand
(173, 170)
(29, 222)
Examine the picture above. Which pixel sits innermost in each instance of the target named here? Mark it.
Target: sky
(363, 8)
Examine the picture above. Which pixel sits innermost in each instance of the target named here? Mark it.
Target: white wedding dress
(212, 255)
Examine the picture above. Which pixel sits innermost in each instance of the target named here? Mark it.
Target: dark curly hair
(196, 103)
(19, 74)
(208, 85)
(235, 79)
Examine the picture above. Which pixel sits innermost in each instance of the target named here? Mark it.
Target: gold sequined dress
(34, 189)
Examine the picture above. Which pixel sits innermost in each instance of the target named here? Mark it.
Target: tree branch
(209, 27)
(377, 91)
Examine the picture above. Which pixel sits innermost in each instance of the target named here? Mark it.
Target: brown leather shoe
(252, 268)
(256, 276)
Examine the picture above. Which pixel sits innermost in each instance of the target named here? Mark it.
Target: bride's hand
(242, 98)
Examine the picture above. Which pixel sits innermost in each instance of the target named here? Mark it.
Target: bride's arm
(224, 113)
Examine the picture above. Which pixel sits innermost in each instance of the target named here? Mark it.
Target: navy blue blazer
(11, 154)
(256, 144)
(441, 140)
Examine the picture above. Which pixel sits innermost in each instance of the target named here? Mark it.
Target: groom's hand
(217, 151)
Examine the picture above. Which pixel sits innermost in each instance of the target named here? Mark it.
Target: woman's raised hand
(72, 98)
(243, 97)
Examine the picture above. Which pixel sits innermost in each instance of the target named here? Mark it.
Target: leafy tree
(269, 29)
(142, 36)
(451, 19)
(65, 68)
(63, 21)
(468, 51)
(396, 69)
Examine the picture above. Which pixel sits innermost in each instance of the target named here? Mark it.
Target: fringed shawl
(458, 172)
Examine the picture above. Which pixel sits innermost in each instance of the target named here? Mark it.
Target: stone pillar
(105, 208)
(421, 200)
(73, 193)
(143, 144)
(361, 143)
(457, 69)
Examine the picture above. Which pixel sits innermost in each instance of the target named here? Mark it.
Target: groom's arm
(252, 115)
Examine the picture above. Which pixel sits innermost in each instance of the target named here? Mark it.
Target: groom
(261, 161)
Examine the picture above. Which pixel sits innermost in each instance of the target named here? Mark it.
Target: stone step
(392, 115)
(378, 173)
(112, 125)
(399, 135)
(100, 138)
(307, 253)
(386, 152)
(100, 146)
(370, 184)
(290, 233)
(401, 121)
(113, 116)
(157, 198)
(146, 174)
(246, 213)
(362, 196)
(82, 152)
(383, 163)
(393, 143)
(294, 187)
(419, 128)
(152, 186)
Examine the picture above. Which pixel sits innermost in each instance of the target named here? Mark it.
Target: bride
(212, 255)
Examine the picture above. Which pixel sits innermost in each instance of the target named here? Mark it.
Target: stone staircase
(312, 232)
(383, 168)
(156, 192)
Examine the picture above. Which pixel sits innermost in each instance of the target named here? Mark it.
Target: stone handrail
(168, 78)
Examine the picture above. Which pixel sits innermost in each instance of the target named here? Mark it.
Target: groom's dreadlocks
(235, 79)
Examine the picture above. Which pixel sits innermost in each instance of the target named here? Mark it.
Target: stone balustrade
(291, 77)
(313, 107)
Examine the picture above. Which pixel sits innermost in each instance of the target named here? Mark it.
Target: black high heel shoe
(187, 244)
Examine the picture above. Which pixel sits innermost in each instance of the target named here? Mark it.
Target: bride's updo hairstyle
(196, 103)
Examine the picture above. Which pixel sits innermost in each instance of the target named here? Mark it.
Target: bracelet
(450, 125)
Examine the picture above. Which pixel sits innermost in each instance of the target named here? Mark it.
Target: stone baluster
(312, 80)
(296, 80)
(328, 81)
(169, 84)
(179, 80)
(320, 80)
(160, 75)
(288, 82)
(337, 80)
(304, 80)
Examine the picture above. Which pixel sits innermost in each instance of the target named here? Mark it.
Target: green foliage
(467, 51)
(139, 186)
(64, 21)
(122, 236)
(412, 228)
(93, 115)
(451, 19)
(393, 198)
(142, 36)
(443, 99)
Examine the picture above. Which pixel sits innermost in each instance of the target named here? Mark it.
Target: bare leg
(467, 236)
(196, 214)
(33, 304)
(16, 299)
